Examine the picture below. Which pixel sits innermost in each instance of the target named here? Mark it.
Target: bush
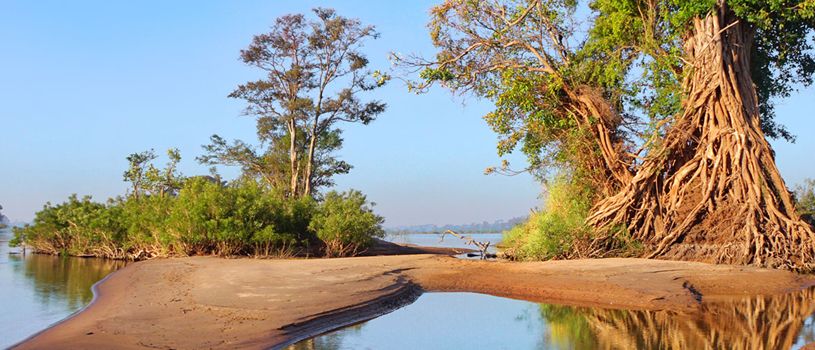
(205, 217)
(242, 218)
(346, 223)
(805, 200)
(553, 232)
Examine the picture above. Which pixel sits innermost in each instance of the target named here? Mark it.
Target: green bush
(346, 223)
(553, 232)
(805, 200)
(205, 217)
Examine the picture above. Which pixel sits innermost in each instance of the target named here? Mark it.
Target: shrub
(805, 200)
(242, 218)
(346, 223)
(553, 232)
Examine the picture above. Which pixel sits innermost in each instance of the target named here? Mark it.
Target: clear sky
(84, 84)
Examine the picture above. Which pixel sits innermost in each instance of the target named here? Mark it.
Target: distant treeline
(483, 227)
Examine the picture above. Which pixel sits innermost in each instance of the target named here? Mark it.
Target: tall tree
(676, 101)
(271, 165)
(711, 191)
(315, 71)
(136, 173)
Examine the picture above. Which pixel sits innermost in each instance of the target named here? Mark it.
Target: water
(40, 290)
(449, 241)
(477, 321)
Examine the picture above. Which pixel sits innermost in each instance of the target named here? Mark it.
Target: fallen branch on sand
(482, 246)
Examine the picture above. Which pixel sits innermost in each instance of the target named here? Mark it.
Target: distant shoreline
(207, 302)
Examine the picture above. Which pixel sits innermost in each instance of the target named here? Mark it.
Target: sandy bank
(204, 302)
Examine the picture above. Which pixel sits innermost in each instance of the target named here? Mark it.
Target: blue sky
(84, 84)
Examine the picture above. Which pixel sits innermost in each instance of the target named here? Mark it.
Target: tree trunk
(605, 155)
(293, 158)
(712, 192)
(312, 145)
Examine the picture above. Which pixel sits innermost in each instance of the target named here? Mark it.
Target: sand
(208, 302)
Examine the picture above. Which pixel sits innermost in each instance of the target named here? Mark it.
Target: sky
(83, 84)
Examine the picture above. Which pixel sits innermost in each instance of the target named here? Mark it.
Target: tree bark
(712, 192)
(312, 145)
(293, 164)
(611, 168)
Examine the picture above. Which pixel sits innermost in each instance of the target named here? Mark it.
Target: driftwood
(482, 246)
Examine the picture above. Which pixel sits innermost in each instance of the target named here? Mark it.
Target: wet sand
(207, 302)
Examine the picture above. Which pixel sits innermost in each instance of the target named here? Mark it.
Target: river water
(37, 291)
(446, 241)
(477, 321)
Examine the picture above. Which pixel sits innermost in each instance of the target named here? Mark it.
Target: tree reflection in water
(65, 281)
(763, 322)
(772, 322)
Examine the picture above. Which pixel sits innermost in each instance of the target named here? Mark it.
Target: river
(40, 290)
(477, 321)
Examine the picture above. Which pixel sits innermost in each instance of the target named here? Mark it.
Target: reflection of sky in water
(444, 321)
(39, 290)
(449, 241)
(476, 321)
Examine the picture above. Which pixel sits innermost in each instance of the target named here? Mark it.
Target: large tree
(663, 105)
(314, 73)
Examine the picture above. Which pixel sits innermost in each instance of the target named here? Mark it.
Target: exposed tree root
(712, 192)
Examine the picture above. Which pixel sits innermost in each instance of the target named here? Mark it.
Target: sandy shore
(206, 302)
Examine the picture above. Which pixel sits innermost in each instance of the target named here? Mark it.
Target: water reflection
(62, 280)
(39, 290)
(778, 322)
(466, 320)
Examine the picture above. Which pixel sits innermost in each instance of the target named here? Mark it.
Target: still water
(448, 241)
(477, 321)
(37, 291)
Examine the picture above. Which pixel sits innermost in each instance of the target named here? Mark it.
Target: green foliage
(145, 178)
(559, 230)
(314, 73)
(205, 217)
(782, 57)
(552, 232)
(346, 223)
(805, 200)
(568, 326)
(244, 217)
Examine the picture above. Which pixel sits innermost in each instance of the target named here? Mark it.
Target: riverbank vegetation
(661, 108)
(314, 74)
(204, 216)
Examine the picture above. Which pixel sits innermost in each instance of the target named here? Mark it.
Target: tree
(663, 107)
(315, 72)
(136, 173)
(711, 191)
(346, 223)
(271, 165)
(145, 178)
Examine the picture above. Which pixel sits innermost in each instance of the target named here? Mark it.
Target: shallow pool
(477, 321)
